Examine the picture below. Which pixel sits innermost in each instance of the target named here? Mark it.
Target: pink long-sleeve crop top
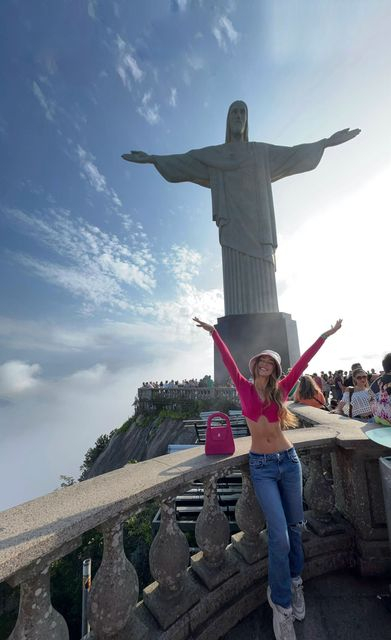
(252, 405)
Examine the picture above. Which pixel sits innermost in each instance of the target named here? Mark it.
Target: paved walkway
(340, 606)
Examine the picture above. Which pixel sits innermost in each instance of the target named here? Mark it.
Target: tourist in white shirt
(360, 408)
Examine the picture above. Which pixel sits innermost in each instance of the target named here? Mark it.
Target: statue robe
(240, 176)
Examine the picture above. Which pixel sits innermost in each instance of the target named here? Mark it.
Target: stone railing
(203, 596)
(176, 397)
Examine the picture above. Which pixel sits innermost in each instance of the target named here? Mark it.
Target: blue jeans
(278, 485)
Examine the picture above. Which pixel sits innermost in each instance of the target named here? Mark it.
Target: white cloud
(172, 101)
(149, 111)
(90, 170)
(179, 5)
(66, 416)
(127, 221)
(16, 377)
(183, 262)
(47, 105)
(127, 66)
(68, 413)
(95, 266)
(190, 301)
(157, 321)
(225, 33)
(91, 8)
(45, 335)
(195, 62)
(96, 179)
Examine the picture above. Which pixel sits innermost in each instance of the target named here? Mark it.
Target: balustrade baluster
(319, 496)
(173, 593)
(114, 590)
(37, 620)
(251, 541)
(212, 564)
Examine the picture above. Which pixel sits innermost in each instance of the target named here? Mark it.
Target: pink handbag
(219, 440)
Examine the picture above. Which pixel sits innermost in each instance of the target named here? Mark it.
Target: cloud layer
(95, 265)
(225, 33)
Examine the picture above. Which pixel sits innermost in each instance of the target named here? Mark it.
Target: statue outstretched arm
(182, 167)
(138, 156)
(341, 136)
(287, 161)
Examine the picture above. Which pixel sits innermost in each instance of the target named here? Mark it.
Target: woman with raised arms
(275, 471)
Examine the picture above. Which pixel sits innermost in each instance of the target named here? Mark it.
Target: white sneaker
(282, 620)
(298, 604)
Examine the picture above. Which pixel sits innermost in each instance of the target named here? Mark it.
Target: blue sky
(103, 263)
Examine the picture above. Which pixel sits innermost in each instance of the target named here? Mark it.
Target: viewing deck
(203, 596)
(149, 399)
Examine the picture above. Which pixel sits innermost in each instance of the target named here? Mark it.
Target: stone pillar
(322, 517)
(248, 334)
(114, 591)
(251, 541)
(173, 593)
(212, 564)
(359, 497)
(319, 496)
(37, 620)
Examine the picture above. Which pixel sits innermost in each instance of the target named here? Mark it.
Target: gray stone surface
(37, 619)
(231, 601)
(212, 576)
(115, 588)
(251, 541)
(35, 529)
(340, 606)
(248, 334)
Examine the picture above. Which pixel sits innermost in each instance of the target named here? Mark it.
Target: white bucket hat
(267, 352)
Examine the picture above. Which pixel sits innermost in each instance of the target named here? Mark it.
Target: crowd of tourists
(359, 394)
(206, 381)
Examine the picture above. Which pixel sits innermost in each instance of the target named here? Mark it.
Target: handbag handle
(321, 404)
(218, 414)
(351, 391)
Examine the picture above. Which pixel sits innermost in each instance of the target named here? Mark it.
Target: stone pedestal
(211, 576)
(250, 333)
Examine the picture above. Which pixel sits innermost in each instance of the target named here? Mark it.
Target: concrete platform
(340, 606)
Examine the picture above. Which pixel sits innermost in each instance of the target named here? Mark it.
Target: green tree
(94, 452)
(67, 481)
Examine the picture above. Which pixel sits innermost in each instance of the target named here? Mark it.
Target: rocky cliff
(140, 441)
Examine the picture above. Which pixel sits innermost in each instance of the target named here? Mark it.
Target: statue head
(237, 121)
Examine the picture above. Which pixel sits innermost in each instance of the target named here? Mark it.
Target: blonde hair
(273, 394)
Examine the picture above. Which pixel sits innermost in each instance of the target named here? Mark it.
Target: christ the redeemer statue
(240, 174)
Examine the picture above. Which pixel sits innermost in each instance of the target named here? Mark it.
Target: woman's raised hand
(204, 325)
(334, 328)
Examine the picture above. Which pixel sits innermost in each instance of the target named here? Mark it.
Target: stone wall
(200, 597)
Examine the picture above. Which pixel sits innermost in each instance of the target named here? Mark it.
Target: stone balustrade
(149, 399)
(203, 596)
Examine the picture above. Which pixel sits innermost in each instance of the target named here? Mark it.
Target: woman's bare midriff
(267, 437)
